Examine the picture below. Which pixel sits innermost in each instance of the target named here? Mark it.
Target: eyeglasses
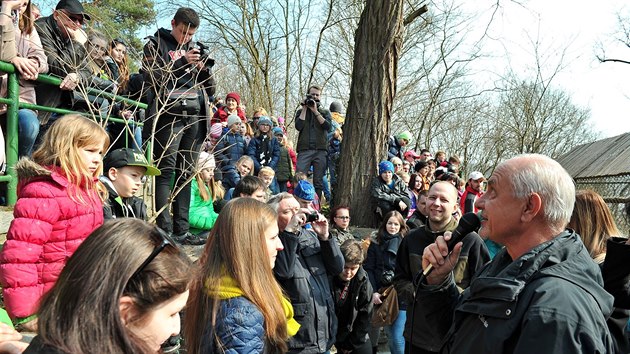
(342, 217)
(74, 18)
(166, 240)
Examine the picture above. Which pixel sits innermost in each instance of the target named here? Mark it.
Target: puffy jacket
(302, 269)
(47, 228)
(355, 312)
(549, 300)
(229, 149)
(202, 215)
(383, 195)
(255, 149)
(118, 207)
(240, 328)
(313, 135)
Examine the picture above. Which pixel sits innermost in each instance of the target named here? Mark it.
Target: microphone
(468, 223)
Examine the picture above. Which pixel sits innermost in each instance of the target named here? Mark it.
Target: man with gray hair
(541, 293)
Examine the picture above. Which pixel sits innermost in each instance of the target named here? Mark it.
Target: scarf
(229, 289)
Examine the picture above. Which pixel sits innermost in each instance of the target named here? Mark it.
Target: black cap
(72, 6)
(128, 157)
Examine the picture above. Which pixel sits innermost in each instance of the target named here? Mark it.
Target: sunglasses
(166, 240)
(74, 18)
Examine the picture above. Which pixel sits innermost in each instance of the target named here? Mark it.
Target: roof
(606, 157)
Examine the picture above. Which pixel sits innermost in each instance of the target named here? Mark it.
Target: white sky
(577, 25)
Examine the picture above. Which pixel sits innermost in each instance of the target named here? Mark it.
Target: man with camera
(180, 77)
(309, 257)
(313, 122)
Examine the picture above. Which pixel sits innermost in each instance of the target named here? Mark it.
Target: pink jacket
(47, 228)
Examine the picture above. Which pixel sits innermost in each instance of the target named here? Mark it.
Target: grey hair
(546, 177)
(274, 201)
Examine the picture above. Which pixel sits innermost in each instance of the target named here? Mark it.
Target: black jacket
(118, 207)
(354, 311)
(380, 262)
(302, 269)
(386, 197)
(416, 220)
(616, 273)
(313, 135)
(38, 347)
(549, 300)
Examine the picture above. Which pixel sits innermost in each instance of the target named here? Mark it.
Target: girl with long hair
(118, 53)
(264, 148)
(203, 193)
(236, 304)
(120, 292)
(60, 202)
(380, 264)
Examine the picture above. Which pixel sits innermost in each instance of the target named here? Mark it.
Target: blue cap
(265, 120)
(385, 166)
(304, 190)
(277, 131)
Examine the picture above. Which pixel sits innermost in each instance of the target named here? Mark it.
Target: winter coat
(616, 274)
(340, 235)
(285, 167)
(302, 269)
(549, 300)
(28, 46)
(467, 200)
(380, 262)
(385, 197)
(313, 135)
(47, 228)
(394, 149)
(354, 313)
(416, 220)
(256, 148)
(229, 149)
(409, 263)
(38, 347)
(117, 207)
(240, 328)
(201, 213)
(221, 115)
(65, 56)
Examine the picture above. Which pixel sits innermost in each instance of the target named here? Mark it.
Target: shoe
(189, 239)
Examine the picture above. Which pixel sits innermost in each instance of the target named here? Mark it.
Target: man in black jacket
(180, 79)
(309, 257)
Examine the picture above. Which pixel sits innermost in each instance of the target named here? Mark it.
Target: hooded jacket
(47, 228)
(549, 300)
(117, 207)
(201, 213)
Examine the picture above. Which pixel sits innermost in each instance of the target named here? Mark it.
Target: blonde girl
(203, 192)
(60, 202)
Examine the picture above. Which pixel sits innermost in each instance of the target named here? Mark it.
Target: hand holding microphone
(439, 258)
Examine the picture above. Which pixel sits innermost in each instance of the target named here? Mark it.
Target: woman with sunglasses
(120, 292)
(236, 304)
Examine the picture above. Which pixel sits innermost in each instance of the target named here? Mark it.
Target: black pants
(176, 147)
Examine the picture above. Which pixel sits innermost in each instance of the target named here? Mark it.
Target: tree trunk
(378, 42)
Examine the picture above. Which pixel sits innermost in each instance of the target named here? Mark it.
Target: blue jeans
(395, 334)
(28, 128)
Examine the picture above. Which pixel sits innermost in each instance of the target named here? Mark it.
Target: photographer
(313, 123)
(181, 79)
(310, 255)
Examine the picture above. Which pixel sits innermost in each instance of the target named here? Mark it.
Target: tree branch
(415, 14)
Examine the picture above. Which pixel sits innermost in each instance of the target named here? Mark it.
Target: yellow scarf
(230, 289)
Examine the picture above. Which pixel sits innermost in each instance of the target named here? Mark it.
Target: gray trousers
(317, 159)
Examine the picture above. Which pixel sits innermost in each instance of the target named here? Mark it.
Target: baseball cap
(412, 153)
(128, 157)
(476, 175)
(72, 6)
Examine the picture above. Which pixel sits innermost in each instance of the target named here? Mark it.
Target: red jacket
(47, 228)
(221, 115)
(467, 200)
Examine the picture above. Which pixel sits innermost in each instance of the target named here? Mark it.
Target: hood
(27, 168)
(111, 190)
(166, 35)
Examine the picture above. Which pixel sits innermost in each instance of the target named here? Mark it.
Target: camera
(312, 217)
(310, 101)
(204, 55)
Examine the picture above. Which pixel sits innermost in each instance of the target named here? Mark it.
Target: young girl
(264, 148)
(202, 214)
(60, 202)
(380, 265)
(231, 107)
(233, 174)
(285, 170)
(236, 305)
(121, 292)
(230, 148)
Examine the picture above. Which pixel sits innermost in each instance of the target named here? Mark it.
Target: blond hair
(266, 171)
(60, 147)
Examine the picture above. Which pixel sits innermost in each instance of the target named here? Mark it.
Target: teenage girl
(60, 202)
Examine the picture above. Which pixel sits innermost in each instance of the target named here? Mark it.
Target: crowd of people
(84, 269)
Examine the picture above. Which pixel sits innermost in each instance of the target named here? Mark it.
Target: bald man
(541, 294)
(441, 204)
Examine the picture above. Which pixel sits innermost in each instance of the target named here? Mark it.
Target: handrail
(13, 105)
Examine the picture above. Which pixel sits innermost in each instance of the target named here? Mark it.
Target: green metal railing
(13, 105)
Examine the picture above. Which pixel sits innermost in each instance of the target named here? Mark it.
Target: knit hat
(235, 96)
(336, 106)
(215, 130)
(233, 119)
(264, 120)
(280, 120)
(128, 157)
(205, 160)
(385, 166)
(278, 131)
(405, 135)
(304, 190)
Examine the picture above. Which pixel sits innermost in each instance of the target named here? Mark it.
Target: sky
(575, 28)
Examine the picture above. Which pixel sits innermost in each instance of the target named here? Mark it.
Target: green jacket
(201, 213)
